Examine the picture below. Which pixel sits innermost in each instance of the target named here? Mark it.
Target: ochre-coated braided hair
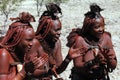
(15, 31)
(45, 21)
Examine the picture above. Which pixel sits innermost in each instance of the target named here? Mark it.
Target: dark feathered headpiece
(95, 8)
(94, 11)
(52, 7)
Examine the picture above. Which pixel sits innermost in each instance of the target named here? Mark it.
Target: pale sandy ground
(73, 15)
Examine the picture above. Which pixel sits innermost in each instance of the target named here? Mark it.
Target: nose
(59, 32)
(30, 44)
(101, 29)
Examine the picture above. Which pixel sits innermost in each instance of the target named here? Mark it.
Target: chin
(99, 36)
(55, 40)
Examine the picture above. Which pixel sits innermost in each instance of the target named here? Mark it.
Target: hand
(76, 52)
(104, 50)
(39, 62)
(53, 71)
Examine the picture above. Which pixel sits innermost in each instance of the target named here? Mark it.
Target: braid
(42, 23)
(48, 27)
(13, 37)
(44, 26)
(45, 21)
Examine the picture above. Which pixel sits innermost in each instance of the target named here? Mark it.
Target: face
(98, 28)
(55, 30)
(27, 40)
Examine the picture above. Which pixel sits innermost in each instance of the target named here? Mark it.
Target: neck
(50, 42)
(92, 38)
(20, 54)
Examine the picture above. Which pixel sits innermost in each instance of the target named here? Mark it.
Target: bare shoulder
(36, 42)
(36, 45)
(107, 40)
(5, 57)
(107, 35)
(4, 53)
(79, 39)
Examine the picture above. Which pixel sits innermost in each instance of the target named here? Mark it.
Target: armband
(67, 59)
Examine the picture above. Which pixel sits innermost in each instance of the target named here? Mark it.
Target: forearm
(111, 59)
(64, 65)
(112, 63)
(39, 72)
(20, 75)
(3, 77)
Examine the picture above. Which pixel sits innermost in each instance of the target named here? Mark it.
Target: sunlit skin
(97, 31)
(103, 39)
(38, 56)
(7, 59)
(20, 41)
(50, 32)
(8, 72)
(51, 42)
(98, 28)
(52, 38)
(26, 42)
(55, 31)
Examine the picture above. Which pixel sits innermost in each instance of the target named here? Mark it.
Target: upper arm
(37, 47)
(110, 46)
(79, 43)
(110, 56)
(4, 61)
(58, 54)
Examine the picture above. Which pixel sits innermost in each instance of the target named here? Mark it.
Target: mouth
(28, 49)
(56, 38)
(100, 32)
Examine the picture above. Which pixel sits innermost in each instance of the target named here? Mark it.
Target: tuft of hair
(94, 11)
(90, 15)
(53, 7)
(95, 8)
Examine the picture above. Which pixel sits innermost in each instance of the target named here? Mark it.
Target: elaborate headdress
(52, 7)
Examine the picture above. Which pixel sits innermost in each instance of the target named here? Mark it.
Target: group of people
(29, 55)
